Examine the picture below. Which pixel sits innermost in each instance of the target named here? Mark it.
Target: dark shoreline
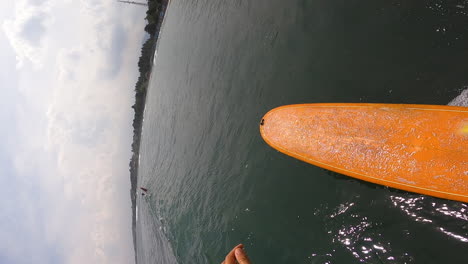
(155, 17)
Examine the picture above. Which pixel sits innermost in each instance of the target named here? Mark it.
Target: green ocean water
(214, 183)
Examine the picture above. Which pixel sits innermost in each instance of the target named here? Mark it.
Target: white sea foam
(155, 56)
(461, 100)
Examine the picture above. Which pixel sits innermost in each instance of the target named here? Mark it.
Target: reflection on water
(442, 216)
(367, 239)
(361, 237)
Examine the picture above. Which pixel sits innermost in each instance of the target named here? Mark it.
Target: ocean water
(214, 183)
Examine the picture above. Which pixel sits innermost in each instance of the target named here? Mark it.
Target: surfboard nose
(262, 130)
(265, 126)
(278, 124)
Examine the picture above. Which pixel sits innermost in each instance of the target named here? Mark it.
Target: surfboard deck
(416, 148)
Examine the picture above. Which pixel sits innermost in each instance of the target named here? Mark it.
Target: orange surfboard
(417, 148)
